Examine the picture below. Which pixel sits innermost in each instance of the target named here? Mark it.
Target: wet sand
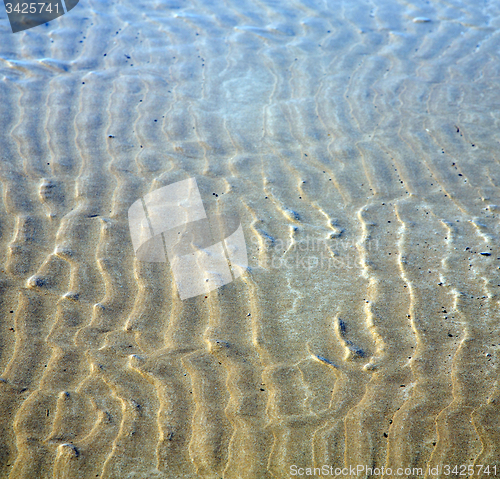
(358, 143)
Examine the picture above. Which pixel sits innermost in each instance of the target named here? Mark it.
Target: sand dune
(358, 144)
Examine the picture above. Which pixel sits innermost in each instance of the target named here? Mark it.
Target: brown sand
(360, 149)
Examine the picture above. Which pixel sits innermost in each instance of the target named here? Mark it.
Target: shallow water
(357, 141)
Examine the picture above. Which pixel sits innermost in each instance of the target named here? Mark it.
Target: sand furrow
(386, 306)
(469, 361)
(422, 260)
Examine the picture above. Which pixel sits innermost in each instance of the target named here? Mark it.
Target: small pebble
(355, 349)
(36, 282)
(421, 20)
(63, 252)
(292, 215)
(70, 447)
(325, 361)
(73, 296)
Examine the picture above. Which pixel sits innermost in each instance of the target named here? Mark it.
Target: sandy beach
(357, 141)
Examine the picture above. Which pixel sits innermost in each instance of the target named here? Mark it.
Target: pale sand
(357, 144)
